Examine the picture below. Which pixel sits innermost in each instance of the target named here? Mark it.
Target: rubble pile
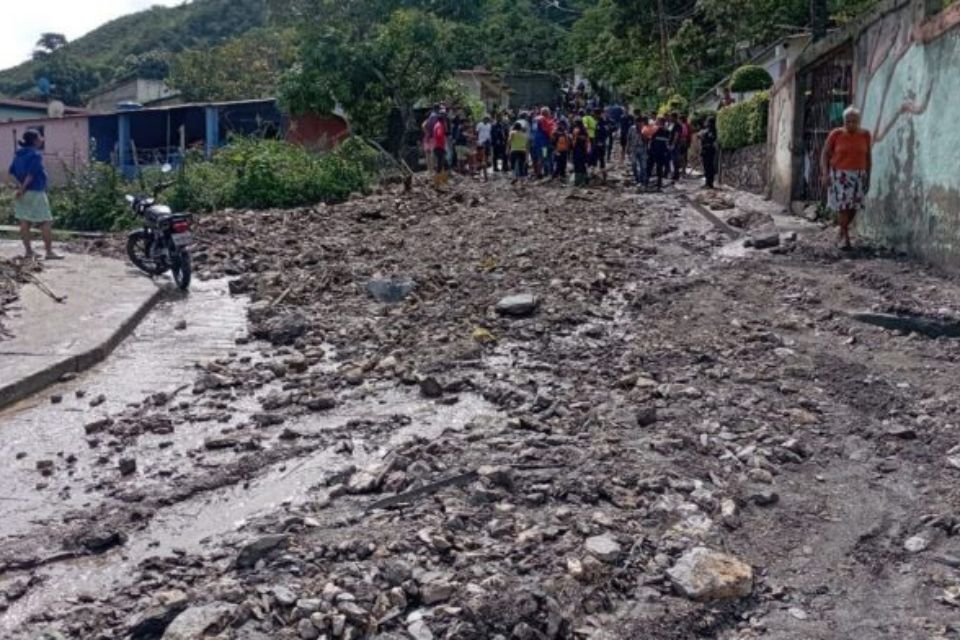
(678, 445)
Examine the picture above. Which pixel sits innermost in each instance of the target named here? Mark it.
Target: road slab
(105, 299)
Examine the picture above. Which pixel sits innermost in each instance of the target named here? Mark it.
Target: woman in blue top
(31, 206)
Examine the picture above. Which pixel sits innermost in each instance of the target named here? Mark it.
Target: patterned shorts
(847, 190)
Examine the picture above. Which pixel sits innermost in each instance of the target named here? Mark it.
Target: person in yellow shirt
(518, 143)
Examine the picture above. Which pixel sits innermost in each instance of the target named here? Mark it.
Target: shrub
(261, 174)
(674, 104)
(750, 78)
(92, 200)
(744, 124)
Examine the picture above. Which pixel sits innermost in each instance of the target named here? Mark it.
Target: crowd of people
(541, 144)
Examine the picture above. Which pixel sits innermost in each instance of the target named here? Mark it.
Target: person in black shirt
(708, 151)
(626, 123)
(660, 151)
(498, 139)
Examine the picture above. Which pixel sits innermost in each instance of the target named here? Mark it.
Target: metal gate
(826, 90)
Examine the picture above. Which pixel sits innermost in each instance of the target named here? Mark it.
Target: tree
(242, 68)
(69, 78)
(369, 65)
(153, 65)
(48, 43)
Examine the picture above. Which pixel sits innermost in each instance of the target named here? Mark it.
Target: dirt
(652, 390)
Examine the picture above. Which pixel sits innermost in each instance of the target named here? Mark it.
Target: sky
(23, 22)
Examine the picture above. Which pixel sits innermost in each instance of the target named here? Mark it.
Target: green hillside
(162, 30)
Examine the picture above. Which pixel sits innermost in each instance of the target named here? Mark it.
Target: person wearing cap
(31, 206)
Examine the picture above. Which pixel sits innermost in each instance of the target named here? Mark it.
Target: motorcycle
(163, 243)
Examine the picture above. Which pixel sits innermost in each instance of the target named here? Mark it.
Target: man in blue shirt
(31, 206)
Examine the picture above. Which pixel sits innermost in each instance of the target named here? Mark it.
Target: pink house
(67, 144)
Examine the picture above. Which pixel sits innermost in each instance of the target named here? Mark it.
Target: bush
(744, 124)
(750, 78)
(92, 200)
(262, 174)
(674, 104)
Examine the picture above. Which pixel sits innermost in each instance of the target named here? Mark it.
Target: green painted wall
(908, 87)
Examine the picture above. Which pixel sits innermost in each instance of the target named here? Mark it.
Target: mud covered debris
(670, 443)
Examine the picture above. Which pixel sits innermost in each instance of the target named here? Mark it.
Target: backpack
(563, 142)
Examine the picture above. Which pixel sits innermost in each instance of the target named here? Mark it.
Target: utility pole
(819, 14)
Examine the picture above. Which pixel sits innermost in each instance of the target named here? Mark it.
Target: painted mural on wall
(907, 85)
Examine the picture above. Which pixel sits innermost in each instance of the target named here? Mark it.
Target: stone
(498, 476)
(180, 326)
(604, 547)
(902, 431)
(765, 241)
(436, 591)
(154, 621)
(917, 543)
(56, 398)
(705, 575)
(518, 306)
(431, 388)
(362, 482)
(646, 416)
(284, 596)
(321, 403)
(307, 631)
(390, 291)
(284, 329)
(419, 630)
(254, 551)
(98, 542)
(216, 444)
(763, 497)
(196, 622)
(128, 466)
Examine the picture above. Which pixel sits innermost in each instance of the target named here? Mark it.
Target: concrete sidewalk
(106, 299)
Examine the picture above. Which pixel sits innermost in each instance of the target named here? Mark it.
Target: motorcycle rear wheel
(138, 250)
(182, 270)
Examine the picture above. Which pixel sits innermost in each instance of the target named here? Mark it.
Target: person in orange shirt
(845, 169)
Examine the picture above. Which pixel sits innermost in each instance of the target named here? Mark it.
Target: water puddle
(191, 524)
(155, 358)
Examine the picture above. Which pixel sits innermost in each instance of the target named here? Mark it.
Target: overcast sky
(24, 21)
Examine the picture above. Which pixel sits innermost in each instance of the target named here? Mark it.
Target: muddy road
(499, 413)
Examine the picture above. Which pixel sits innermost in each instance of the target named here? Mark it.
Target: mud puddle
(190, 525)
(155, 358)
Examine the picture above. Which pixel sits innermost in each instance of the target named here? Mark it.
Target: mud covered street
(498, 413)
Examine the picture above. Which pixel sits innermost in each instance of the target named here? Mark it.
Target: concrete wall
(907, 84)
(908, 87)
(67, 145)
(138, 90)
(745, 168)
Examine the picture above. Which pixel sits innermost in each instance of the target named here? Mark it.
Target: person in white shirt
(484, 143)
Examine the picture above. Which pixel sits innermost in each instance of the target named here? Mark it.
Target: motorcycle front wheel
(182, 269)
(138, 250)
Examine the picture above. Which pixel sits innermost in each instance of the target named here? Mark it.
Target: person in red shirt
(845, 170)
(440, 150)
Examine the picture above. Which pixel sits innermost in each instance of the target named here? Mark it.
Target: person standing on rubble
(845, 169)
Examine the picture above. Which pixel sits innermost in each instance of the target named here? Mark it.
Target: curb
(77, 363)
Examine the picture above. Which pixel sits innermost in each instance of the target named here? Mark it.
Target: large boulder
(705, 575)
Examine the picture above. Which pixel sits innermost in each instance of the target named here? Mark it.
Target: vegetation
(750, 78)
(745, 123)
(262, 174)
(245, 67)
(159, 32)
